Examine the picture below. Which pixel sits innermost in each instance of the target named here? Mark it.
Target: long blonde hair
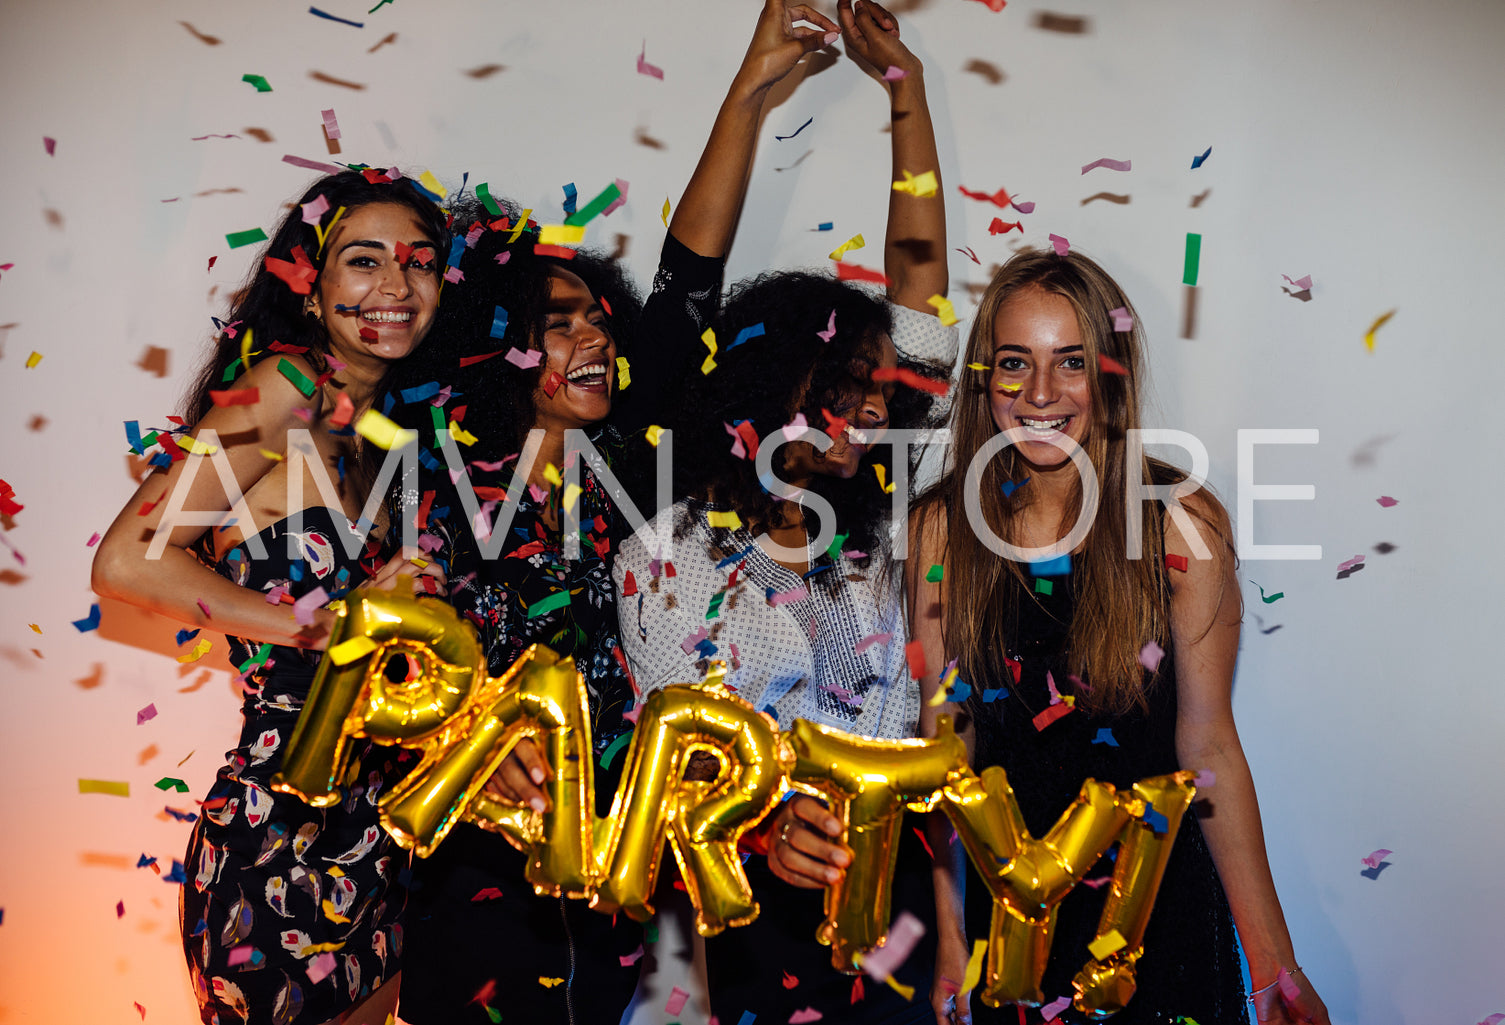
(1120, 602)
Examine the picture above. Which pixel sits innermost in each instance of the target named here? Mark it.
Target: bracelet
(1266, 989)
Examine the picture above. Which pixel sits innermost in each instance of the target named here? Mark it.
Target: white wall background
(1359, 142)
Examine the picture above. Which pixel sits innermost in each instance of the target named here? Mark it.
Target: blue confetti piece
(420, 392)
(1197, 162)
(825, 226)
(961, 690)
(738, 557)
(339, 466)
(342, 308)
(1374, 873)
(295, 571)
(427, 460)
(133, 436)
(747, 1018)
(1009, 487)
(181, 816)
(390, 400)
(774, 714)
(456, 247)
(994, 693)
(1105, 736)
(145, 862)
(499, 323)
(570, 198)
(90, 622)
(746, 334)
(161, 459)
(330, 17)
(1156, 821)
(706, 648)
(184, 636)
(797, 131)
(1060, 566)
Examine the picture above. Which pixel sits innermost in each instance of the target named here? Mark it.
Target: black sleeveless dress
(1191, 965)
(289, 914)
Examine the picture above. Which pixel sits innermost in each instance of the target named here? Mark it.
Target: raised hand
(872, 34)
(777, 45)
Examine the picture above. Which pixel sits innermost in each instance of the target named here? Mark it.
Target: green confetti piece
(715, 606)
(261, 84)
(1043, 586)
(613, 748)
(259, 659)
(493, 1014)
(606, 198)
(834, 548)
(169, 783)
(1272, 598)
(231, 372)
(650, 932)
(1193, 259)
(483, 193)
(557, 600)
(245, 238)
(935, 574)
(439, 425)
(296, 376)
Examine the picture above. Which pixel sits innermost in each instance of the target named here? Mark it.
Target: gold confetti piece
(196, 447)
(323, 232)
(33, 360)
(35, 627)
(943, 309)
(888, 489)
(333, 915)
(104, 786)
(855, 242)
(348, 651)
(571, 494)
(269, 454)
(1106, 944)
(907, 992)
(551, 474)
(548, 983)
(922, 186)
(199, 651)
(624, 374)
(382, 432)
(428, 181)
(974, 966)
(522, 223)
(710, 361)
(1012, 389)
(420, 563)
(729, 520)
(654, 432)
(1379, 322)
(561, 234)
(461, 435)
(666, 212)
(978, 366)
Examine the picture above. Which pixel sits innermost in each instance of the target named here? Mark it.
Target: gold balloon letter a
(702, 820)
(868, 784)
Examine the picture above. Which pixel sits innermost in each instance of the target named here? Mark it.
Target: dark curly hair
(500, 271)
(767, 379)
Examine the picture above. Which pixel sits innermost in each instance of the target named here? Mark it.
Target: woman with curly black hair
(780, 564)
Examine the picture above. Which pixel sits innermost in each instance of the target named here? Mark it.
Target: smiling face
(1040, 379)
(578, 346)
(866, 420)
(375, 306)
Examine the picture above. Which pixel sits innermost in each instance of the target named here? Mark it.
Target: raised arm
(712, 202)
(1205, 620)
(914, 251)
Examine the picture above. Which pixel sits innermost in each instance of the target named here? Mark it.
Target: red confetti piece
(790, 981)
(1177, 562)
(236, 397)
(563, 252)
(856, 272)
(924, 842)
(999, 198)
(298, 274)
(368, 334)
(967, 252)
(487, 893)
(466, 361)
(1000, 227)
(904, 375)
(1050, 715)
(211, 263)
(551, 385)
(120, 909)
(914, 654)
(1109, 365)
(835, 425)
(629, 585)
(995, 6)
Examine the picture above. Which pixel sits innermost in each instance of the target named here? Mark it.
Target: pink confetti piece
(1493, 1019)
(147, 714)
(1373, 860)
(454, 275)
(1061, 244)
(1303, 283)
(806, 1014)
(1110, 164)
(537, 493)
(795, 428)
(872, 639)
(893, 74)
(886, 958)
(1386, 501)
(1023, 207)
(689, 644)
(631, 715)
(314, 211)
(503, 257)
(274, 596)
(1150, 656)
(312, 165)
(303, 608)
(785, 597)
(203, 608)
(50, 144)
(319, 967)
(93, 540)
(843, 695)
(1288, 987)
(1205, 779)
(619, 201)
(1123, 320)
(525, 360)
(830, 331)
(644, 68)
(1350, 563)
(331, 126)
(120, 909)
(240, 954)
(1097, 883)
(628, 960)
(677, 998)
(212, 135)
(1055, 1007)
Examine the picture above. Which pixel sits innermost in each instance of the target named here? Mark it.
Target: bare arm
(914, 251)
(712, 202)
(1205, 619)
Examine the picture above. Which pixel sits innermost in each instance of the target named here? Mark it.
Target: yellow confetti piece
(561, 234)
(522, 223)
(276, 457)
(382, 432)
(323, 232)
(855, 242)
(420, 563)
(461, 435)
(653, 433)
(666, 212)
(333, 915)
(323, 948)
(35, 627)
(888, 489)
(551, 474)
(348, 651)
(571, 495)
(907, 992)
(1379, 322)
(922, 185)
(710, 361)
(1012, 389)
(428, 181)
(196, 447)
(729, 520)
(104, 786)
(33, 360)
(1106, 944)
(943, 309)
(624, 373)
(978, 366)
(974, 966)
(548, 983)
(199, 651)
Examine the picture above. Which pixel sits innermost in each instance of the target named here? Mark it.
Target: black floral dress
(289, 913)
